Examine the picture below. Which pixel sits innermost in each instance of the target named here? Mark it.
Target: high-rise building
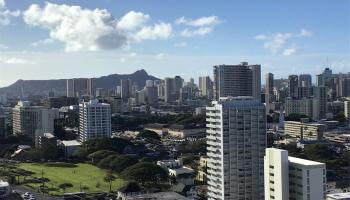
(292, 85)
(237, 80)
(290, 178)
(236, 142)
(169, 90)
(3, 133)
(269, 88)
(94, 120)
(79, 87)
(32, 120)
(125, 88)
(151, 95)
(70, 88)
(305, 80)
(347, 110)
(205, 86)
(178, 83)
(91, 87)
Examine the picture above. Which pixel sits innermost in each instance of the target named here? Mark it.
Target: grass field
(85, 176)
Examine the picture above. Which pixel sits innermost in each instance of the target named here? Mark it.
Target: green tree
(122, 162)
(295, 117)
(99, 155)
(318, 152)
(145, 173)
(106, 162)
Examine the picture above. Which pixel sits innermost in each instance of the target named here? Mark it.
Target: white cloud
(2, 3)
(160, 56)
(42, 42)
(260, 37)
(180, 44)
(305, 33)
(133, 20)
(14, 60)
(204, 25)
(158, 31)
(277, 42)
(202, 21)
(197, 32)
(82, 29)
(6, 14)
(290, 51)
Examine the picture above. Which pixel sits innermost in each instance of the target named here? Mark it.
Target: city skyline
(127, 36)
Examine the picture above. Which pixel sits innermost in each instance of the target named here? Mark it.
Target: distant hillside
(59, 85)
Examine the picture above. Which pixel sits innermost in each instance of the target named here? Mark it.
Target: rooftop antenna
(327, 62)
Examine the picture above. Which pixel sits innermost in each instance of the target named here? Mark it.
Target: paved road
(39, 196)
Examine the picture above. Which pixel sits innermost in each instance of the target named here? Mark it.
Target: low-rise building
(304, 131)
(5, 189)
(175, 168)
(337, 137)
(161, 129)
(69, 147)
(47, 140)
(293, 178)
(338, 196)
(186, 131)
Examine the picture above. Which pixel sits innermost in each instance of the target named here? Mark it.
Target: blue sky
(54, 39)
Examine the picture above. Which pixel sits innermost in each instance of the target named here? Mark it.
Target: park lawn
(84, 175)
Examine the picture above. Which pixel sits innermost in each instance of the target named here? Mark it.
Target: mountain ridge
(42, 87)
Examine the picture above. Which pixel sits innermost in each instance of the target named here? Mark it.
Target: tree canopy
(122, 162)
(145, 173)
(101, 154)
(106, 162)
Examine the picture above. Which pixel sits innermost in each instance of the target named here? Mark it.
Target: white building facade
(94, 120)
(236, 141)
(290, 178)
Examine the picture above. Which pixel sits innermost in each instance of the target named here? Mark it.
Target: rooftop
(70, 143)
(4, 184)
(303, 161)
(158, 196)
(339, 195)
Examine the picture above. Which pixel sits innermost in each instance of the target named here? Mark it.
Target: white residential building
(32, 120)
(94, 120)
(236, 141)
(290, 178)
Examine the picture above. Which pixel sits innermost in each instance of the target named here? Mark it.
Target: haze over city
(45, 40)
(174, 100)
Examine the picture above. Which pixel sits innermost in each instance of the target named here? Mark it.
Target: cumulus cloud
(277, 42)
(204, 25)
(180, 44)
(6, 14)
(158, 31)
(202, 21)
(83, 29)
(200, 31)
(133, 20)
